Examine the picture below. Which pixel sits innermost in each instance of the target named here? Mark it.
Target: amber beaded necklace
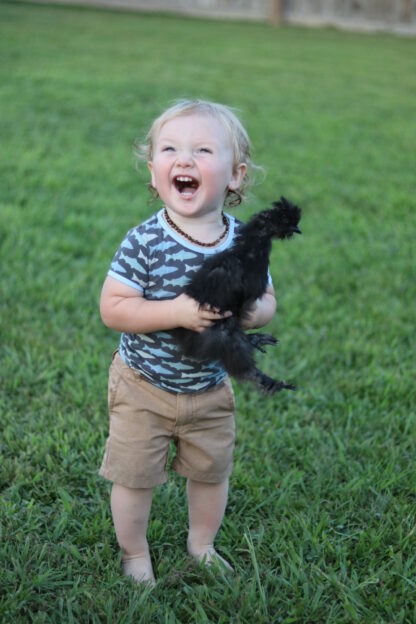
(193, 240)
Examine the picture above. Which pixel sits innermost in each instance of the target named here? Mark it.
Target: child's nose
(185, 158)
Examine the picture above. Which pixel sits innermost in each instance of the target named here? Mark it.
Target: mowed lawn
(320, 525)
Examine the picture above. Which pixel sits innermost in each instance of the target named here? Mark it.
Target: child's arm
(262, 311)
(124, 308)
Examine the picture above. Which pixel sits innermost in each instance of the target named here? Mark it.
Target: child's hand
(187, 312)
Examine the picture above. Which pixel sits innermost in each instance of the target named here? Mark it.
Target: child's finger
(207, 308)
(223, 314)
(215, 310)
(216, 314)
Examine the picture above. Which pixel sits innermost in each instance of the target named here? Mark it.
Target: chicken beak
(297, 230)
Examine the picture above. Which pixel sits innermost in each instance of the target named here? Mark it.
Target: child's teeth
(186, 185)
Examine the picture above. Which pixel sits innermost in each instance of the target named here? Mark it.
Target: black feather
(232, 280)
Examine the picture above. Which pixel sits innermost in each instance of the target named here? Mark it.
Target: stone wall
(393, 15)
(238, 9)
(399, 15)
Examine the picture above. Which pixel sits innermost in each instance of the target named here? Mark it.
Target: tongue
(187, 190)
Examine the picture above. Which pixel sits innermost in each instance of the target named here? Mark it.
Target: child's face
(192, 166)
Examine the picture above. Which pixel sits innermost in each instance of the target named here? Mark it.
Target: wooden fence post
(276, 12)
(407, 11)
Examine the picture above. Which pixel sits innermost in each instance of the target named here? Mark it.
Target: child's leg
(131, 510)
(207, 502)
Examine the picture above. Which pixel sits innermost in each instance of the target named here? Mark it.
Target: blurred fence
(394, 15)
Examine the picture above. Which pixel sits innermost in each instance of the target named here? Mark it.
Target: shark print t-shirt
(158, 262)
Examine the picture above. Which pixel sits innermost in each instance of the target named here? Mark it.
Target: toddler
(198, 153)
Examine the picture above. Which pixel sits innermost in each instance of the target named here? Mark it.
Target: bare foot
(208, 556)
(140, 568)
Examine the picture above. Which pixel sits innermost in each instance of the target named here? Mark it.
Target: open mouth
(186, 185)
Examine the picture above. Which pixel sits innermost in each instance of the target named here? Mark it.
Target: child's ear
(237, 177)
(150, 167)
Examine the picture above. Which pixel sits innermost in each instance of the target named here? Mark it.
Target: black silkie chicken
(232, 280)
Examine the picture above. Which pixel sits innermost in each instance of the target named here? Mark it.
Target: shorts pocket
(230, 393)
(113, 383)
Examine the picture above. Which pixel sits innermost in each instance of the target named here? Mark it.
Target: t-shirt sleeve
(130, 263)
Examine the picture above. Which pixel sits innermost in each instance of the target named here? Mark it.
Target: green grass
(320, 525)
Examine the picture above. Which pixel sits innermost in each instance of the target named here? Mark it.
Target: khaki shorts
(144, 419)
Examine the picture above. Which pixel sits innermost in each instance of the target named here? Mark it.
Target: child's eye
(167, 148)
(205, 150)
